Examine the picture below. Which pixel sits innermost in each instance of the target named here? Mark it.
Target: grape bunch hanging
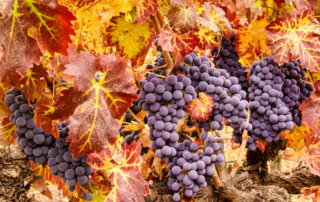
(42, 147)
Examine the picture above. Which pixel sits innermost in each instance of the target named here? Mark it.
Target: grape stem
(63, 84)
(245, 138)
(197, 129)
(306, 81)
(158, 25)
(135, 117)
(149, 70)
(104, 175)
(157, 75)
(190, 130)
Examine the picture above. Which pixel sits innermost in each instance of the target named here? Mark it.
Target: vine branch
(135, 117)
(245, 138)
(104, 175)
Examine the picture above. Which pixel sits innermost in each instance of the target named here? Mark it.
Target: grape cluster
(269, 114)
(226, 57)
(294, 89)
(189, 169)
(129, 138)
(33, 139)
(229, 99)
(60, 161)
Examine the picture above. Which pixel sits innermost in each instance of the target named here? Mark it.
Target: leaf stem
(245, 138)
(158, 75)
(135, 117)
(136, 79)
(104, 175)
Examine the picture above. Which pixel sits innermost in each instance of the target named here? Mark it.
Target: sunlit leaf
(125, 177)
(183, 18)
(41, 172)
(7, 132)
(145, 8)
(254, 5)
(313, 4)
(206, 38)
(4, 109)
(182, 44)
(129, 39)
(213, 17)
(312, 190)
(292, 37)
(261, 144)
(200, 108)
(251, 40)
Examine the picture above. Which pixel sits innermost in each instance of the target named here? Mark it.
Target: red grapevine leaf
(206, 38)
(311, 107)
(183, 18)
(200, 109)
(7, 132)
(213, 17)
(261, 144)
(4, 109)
(312, 4)
(34, 82)
(45, 108)
(19, 50)
(182, 44)
(291, 38)
(125, 177)
(145, 8)
(91, 130)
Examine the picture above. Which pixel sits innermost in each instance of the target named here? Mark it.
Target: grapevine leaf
(311, 107)
(7, 132)
(299, 137)
(201, 108)
(261, 144)
(311, 157)
(145, 8)
(66, 103)
(51, 20)
(45, 108)
(125, 177)
(121, 33)
(291, 38)
(145, 140)
(92, 17)
(92, 129)
(65, 190)
(312, 4)
(312, 190)
(251, 41)
(182, 44)
(206, 38)
(4, 109)
(254, 5)
(41, 172)
(19, 50)
(183, 18)
(214, 18)
(34, 82)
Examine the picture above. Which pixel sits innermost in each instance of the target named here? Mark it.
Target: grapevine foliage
(105, 96)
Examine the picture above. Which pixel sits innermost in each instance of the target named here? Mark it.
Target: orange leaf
(126, 177)
(41, 185)
(201, 108)
(181, 44)
(45, 108)
(214, 18)
(145, 8)
(4, 109)
(183, 18)
(261, 144)
(133, 126)
(33, 83)
(7, 132)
